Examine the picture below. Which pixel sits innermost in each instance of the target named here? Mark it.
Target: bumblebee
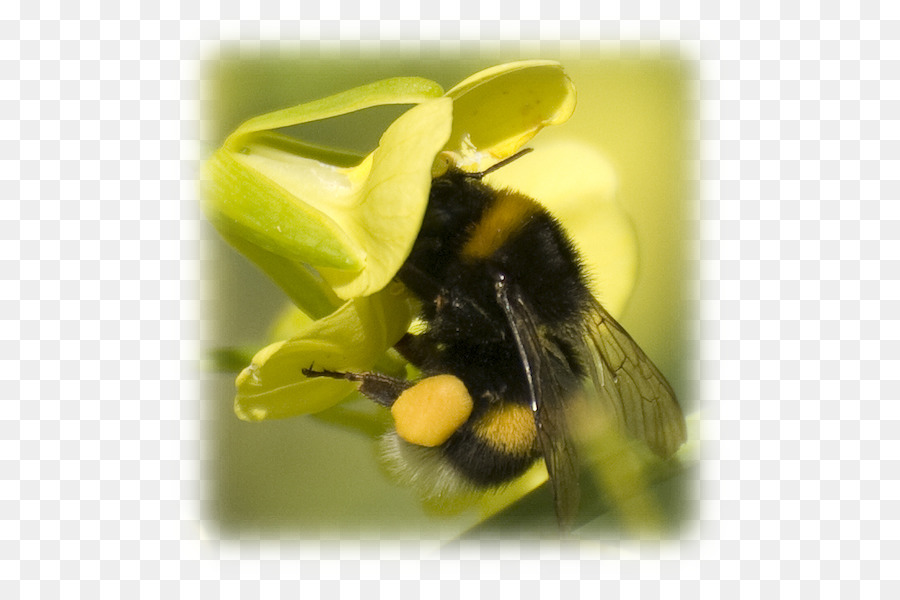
(513, 338)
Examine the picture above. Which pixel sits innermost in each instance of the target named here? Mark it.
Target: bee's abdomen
(495, 446)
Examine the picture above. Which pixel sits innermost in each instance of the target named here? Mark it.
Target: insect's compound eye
(500, 282)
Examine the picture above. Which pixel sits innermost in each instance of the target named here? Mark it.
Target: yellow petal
(397, 90)
(576, 183)
(353, 338)
(384, 214)
(498, 110)
(291, 204)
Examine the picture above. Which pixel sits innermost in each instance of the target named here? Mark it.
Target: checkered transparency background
(796, 304)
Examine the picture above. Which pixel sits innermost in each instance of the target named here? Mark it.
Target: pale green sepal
(291, 145)
(243, 203)
(306, 288)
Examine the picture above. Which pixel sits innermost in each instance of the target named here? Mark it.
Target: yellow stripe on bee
(509, 428)
(508, 212)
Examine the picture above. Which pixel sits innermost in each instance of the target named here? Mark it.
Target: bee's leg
(417, 349)
(379, 388)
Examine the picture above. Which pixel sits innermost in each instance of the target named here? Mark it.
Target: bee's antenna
(500, 164)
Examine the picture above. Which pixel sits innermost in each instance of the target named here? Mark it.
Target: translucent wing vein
(631, 387)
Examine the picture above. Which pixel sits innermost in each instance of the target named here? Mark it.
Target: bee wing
(545, 372)
(630, 386)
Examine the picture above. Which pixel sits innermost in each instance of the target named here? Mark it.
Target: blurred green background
(308, 477)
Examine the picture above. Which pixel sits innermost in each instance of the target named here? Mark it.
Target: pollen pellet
(429, 412)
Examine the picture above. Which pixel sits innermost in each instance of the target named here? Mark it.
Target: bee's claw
(311, 372)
